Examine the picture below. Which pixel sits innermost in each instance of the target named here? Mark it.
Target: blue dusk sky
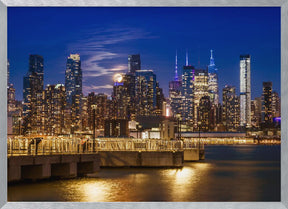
(104, 37)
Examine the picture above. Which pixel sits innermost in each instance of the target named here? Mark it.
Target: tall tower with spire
(213, 81)
(188, 92)
(175, 91)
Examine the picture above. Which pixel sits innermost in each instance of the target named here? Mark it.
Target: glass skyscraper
(73, 87)
(245, 91)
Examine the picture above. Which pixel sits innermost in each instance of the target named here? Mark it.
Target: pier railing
(40, 146)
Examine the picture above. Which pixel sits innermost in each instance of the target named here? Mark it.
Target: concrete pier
(194, 154)
(47, 166)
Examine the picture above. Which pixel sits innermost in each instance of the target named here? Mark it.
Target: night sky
(104, 37)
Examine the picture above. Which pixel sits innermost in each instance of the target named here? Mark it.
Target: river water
(229, 173)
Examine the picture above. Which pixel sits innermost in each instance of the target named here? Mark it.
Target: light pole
(94, 106)
(199, 124)
(19, 121)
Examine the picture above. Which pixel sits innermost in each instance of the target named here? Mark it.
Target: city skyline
(108, 61)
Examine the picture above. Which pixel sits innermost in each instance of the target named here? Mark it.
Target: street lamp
(19, 121)
(94, 106)
(199, 124)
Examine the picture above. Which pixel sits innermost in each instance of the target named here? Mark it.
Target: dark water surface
(229, 173)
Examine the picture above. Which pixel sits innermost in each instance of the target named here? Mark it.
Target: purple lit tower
(213, 81)
(175, 89)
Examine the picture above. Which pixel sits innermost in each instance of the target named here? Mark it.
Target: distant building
(116, 128)
(145, 92)
(134, 63)
(276, 105)
(200, 90)
(204, 114)
(120, 97)
(73, 86)
(267, 103)
(245, 91)
(54, 109)
(213, 81)
(32, 94)
(231, 111)
(175, 93)
(102, 107)
(187, 113)
(160, 99)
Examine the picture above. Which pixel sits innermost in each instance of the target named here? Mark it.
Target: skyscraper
(230, 109)
(187, 92)
(55, 102)
(267, 103)
(134, 63)
(204, 113)
(213, 81)
(245, 91)
(175, 92)
(200, 90)
(276, 105)
(145, 92)
(32, 93)
(73, 87)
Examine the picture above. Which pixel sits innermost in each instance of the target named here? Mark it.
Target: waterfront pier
(39, 158)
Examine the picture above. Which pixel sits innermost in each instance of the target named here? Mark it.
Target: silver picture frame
(149, 3)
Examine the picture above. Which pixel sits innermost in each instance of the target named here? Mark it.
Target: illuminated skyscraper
(245, 91)
(230, 108)
(119, 97)
(145, 92)
(200, 90)
(276, 105)
(134, 63)
(204, 113)
(73, 86)
(175, 92)
(187, 92)
(32, 94)
(213, 81)
(54, 108)
(267, 103)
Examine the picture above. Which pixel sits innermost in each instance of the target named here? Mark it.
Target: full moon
(117, 78)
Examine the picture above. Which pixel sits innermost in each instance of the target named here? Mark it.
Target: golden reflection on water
(184, 182)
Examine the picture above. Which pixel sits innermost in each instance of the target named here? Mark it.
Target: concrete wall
(141, 159)
(194, 154)
(46, 166)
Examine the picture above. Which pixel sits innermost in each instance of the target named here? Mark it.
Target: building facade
(230, 108)
(245, 91)
(73, 86)
(213, 81)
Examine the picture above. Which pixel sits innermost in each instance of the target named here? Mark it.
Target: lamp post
(19, 121)
(94, 106)
(199, 124)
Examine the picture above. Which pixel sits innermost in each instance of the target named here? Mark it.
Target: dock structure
(38, 158)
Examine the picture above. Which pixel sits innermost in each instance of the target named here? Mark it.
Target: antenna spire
(187, 57)
(176, 68)
(211, 58)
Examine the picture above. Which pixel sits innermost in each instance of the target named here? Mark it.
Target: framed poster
(165, 36)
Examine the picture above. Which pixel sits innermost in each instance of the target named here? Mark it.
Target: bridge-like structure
(55, 145)
(46, 157)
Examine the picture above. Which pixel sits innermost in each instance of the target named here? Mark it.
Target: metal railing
(49, 146)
